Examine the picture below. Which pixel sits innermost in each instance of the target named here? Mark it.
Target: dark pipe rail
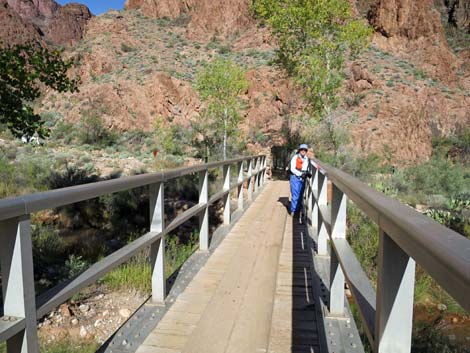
(406, 237)
(22, 308)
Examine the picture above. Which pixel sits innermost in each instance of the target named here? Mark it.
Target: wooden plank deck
(247, 296)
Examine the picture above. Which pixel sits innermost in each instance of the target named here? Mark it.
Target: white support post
(204, 215)
(157, 249)
(265, 166)
(250, 179)
(322, 201)
(338, 230)
(309, 197)
(19, 298)
(256, 181)
(226, 187)
(240, 186)
(395, 290)
(314, 214)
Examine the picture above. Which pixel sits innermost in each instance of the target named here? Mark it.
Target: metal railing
(406, 237)
(18, 325)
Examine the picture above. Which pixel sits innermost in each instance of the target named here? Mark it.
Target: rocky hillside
(135, 69)
(42, 21)
(140, 64)
(410, 86)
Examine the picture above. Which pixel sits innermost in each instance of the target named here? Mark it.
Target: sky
(97, 7)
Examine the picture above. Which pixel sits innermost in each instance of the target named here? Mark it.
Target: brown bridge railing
(406, 237)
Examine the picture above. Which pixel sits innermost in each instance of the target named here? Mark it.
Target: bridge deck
(254, 294)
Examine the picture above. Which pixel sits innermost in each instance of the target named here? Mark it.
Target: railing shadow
(305, 337)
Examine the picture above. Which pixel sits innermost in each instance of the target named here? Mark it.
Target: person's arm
(293, 168)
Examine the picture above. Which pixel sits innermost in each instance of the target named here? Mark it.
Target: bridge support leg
(395, 290)
(314, 214)
(250, 180)
(227, 197)
(338, 230)
(256, 177)
(322, 201)
(18, 282)
(265, 174)
(240, 186)
(157, 249)
(204, 215)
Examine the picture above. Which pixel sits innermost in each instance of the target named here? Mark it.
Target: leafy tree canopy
(24, 71)
(220, 84)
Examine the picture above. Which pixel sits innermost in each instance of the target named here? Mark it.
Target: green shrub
(127, 48)
(363, 235)
(92, 131)
(76, 265)
(427, 337)
(437, 176)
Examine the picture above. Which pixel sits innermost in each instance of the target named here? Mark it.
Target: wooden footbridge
(264, 281)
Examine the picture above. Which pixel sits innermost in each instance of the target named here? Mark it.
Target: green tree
(220, 84)
(24, 71)
(315, 38)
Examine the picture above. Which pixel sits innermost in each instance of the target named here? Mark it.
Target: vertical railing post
(157, 249)
(395, 290)
(265, 165)
(19, 299)
(250, 179)
(240, 185)
(322, 201)
(338, 230)
(226, 187)
(314, 214)
(309, 196)
(256, 181)
(204, 215)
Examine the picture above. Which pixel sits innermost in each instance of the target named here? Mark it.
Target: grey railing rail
(18, 325)
(406, 237)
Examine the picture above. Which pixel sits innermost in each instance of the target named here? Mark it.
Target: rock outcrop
(24, 21)
(160, 8)
(68, 23)
(413, 30)
(221, 18)
(406, 18)
(14, 30)
(458, 13)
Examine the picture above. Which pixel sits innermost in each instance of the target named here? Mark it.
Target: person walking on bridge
(298, 171)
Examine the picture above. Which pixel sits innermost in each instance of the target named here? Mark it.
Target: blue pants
(296, 190)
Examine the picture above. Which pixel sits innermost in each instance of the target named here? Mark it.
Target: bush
(93, 132)
(363, 235)
(427, 337)
(437, 176)
(76, 265)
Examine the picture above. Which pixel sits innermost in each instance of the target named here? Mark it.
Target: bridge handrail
(406, 236)
(21, 306)
(23, 205)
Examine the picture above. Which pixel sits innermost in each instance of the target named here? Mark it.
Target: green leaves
(315, 36)
(221, 81)
(24, 70)
(220, 85)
